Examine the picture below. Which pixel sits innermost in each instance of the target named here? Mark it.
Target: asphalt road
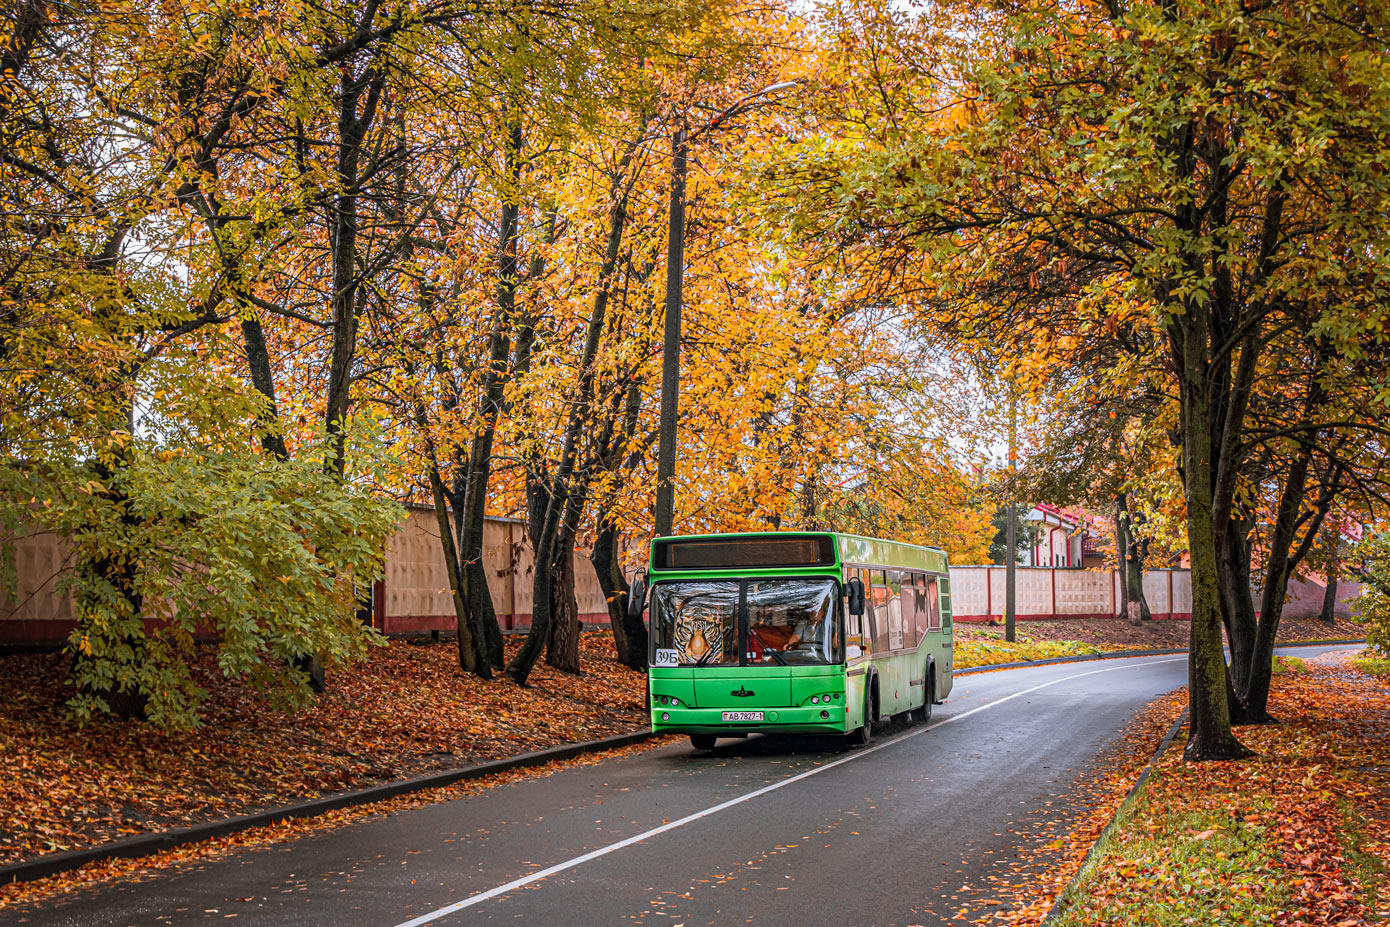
(762, 831)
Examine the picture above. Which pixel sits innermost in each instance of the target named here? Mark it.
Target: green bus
(804, 633)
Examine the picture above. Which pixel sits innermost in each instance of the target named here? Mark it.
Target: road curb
(147, 844)
(1093, 855)
(1122, 654)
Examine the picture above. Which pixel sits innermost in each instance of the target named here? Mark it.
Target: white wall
(1045, 592)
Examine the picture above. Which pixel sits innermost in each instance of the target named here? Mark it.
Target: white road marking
(491, 893)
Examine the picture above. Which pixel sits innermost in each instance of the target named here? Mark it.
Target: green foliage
(180, 533)
(1025, 540)
(1372, 607)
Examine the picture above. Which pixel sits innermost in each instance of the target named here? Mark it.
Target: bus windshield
(791, 621)
(784, 622)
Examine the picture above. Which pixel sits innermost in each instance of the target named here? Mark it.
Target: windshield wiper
(776, 655)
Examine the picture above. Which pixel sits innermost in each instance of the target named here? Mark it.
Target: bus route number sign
(665, 657)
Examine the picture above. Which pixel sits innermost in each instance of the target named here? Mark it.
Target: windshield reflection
(787, 622)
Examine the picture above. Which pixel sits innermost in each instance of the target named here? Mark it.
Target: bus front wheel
(702, 741)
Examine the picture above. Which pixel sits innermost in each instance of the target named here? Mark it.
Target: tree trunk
(1254, 689)
(467, 646)
(629, 634)
(468, 651)
(343, 228)
(344, 300)
(1329, 596)
(1210, 737)
(1237, 609)
(482, 615)
(473, 587)
(262, 378)
(541, 584)
(562, 645)
(560, 505)
(1136, 606)
(1121, 557)
(479, 470)
(563, 650)
(603, 555)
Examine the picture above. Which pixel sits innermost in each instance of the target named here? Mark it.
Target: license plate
(743, 716)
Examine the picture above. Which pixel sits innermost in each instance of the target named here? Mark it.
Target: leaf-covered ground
(984, 645)
(1297, 836)
(408, 710)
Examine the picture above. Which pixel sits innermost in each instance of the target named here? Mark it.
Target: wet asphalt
(763, 831)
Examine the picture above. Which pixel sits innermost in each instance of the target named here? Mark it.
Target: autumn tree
(118, 433)
(1088, 167)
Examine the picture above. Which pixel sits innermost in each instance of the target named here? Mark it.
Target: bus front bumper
(808, 719)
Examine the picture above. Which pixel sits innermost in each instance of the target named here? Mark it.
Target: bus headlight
(665, 716)
(815, 699)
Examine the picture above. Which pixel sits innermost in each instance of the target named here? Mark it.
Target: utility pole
(671, 346)
(1011, 534)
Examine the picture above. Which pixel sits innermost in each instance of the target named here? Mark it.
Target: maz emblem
(741, 692)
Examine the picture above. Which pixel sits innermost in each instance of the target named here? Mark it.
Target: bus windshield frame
(748, 621)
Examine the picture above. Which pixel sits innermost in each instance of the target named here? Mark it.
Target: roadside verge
(1297, 833)
(147, 844)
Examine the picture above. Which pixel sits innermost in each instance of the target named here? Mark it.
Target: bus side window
(878, 611)
(920, 615)
(895, 610)
(943, 586)
(855, 645)
(909, 612)
(933, 605)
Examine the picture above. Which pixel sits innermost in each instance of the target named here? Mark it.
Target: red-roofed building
(1065, 537)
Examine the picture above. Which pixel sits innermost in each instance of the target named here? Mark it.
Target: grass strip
(1285, 665)
(1372, 665)
(984, 652)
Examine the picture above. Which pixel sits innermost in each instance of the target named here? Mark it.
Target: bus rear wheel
(864, 734)
(702, 741)
(923, 714)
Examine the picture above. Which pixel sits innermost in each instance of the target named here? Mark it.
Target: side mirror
(637, 597)
(854, 590)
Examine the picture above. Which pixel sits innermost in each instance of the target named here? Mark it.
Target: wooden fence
(414, 598)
